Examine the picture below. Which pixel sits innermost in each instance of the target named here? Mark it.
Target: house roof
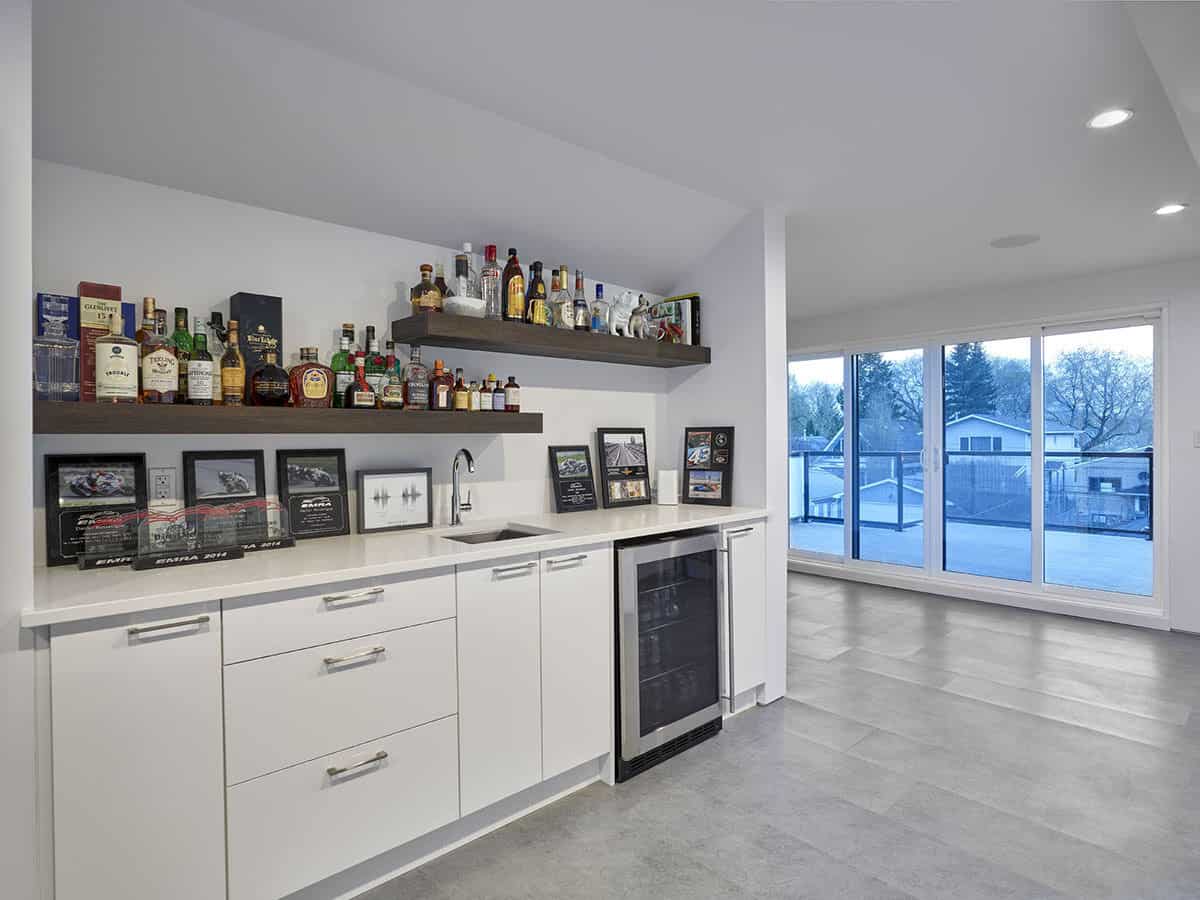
(1014, 424)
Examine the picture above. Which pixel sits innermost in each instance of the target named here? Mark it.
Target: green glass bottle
(343, 365)
(182, 339)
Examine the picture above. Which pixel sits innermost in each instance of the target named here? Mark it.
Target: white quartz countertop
(66, 594)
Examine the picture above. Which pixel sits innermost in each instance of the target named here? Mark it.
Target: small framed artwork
(708, 466)
(394, 499)
(571, 472)
(233, 478)
(94, 506)
(313, 490)
(624, 472)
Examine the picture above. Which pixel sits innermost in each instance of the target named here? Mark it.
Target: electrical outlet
(162, 484)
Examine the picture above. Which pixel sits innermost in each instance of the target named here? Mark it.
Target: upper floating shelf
(131, 418)
(466, 333)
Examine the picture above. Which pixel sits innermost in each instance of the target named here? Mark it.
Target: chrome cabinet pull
(340, 770)
(361, 654)
(735, 532)
(729, 613)
(510, 570)
(352, 596)
(145, 629)
(562, 561)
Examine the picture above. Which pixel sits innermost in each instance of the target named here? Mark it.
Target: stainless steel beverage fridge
(668, 645)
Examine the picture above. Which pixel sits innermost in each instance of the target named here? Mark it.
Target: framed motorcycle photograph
(313, 489)
(228, 478)
(94, 506)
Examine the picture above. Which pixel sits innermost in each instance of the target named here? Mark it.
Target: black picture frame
(624, 481)
(80, 491)
(574, 491)
(200, 483)
(708, 466)
(315, 507)
(369, 520)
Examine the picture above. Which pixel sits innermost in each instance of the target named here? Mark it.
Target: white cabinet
(499, 682)
(744, 665)
(577, 657)
(139, 809)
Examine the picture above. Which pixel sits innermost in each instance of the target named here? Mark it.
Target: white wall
(194, 251)
(18, 819)
(1175, 287)
(744, 298)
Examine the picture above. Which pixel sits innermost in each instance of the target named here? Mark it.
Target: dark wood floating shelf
(466, 333)
(130, 418)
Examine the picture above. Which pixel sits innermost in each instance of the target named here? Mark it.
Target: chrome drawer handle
(340, 770)
(509, 570)
(738, 531)
(562, 561)
(361, 654)
(145, 629)
(353, 595)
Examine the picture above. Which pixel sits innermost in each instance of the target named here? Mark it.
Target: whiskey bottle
(359, 395)
(391, 394)
(583, 315)
(182, 340)
(535, 299)
(199, 369)
(491, 285)
(342, 364)
(462, 395)
(514, 288)
(160, 365)
(441, 387)
(311, 383)
(269, 385)
(512, 395)
(416, 382)
(117, 365)
(233, 369)
(217, 335)
(426, 297)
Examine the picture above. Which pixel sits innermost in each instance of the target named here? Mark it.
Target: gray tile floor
(928, 748)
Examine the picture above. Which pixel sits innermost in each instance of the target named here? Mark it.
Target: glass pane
(817, 469)
(677, 638)
(1099, 432)
(987, 435)
(888, 406)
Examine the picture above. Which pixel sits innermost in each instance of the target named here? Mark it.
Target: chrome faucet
(457, 505)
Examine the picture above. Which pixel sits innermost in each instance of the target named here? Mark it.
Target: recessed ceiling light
(1110, 118)
(1169, 209)
(1008, 241)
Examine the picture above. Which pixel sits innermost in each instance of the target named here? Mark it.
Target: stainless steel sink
(507, 533)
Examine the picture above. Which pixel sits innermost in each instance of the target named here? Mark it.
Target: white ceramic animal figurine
(622, 309)
(639, 319)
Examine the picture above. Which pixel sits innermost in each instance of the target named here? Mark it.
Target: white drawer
(292, 707)
(305, 617)
(292, 828)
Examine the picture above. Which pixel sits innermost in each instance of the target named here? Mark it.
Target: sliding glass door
(816, 458)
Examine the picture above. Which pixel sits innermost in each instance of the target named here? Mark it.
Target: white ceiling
(899, 138)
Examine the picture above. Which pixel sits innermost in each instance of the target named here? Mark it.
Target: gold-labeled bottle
(160, 365)
(535, 298)
(514, 288)
(233, 370)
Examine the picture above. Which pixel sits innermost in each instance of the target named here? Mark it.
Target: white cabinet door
(499, 685)
(139, 811)
(745, 606)
(577, 657)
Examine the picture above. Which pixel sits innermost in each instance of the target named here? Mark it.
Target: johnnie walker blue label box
(260, 326)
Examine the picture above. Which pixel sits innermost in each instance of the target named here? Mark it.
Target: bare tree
(908, 389)
(1105, 395)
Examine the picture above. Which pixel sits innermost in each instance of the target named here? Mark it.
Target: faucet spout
(457, 505)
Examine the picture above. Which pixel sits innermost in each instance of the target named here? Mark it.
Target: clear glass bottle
(182, 339)
(600, 312)
(55, 364)
(466, 276)
(199, 368)
(117, 365)
(270, 385)
(160, 365)
(583, 315)
(233, 370)
(312, 384)
(342, 365)
(439, 279)
(561, 303)
(490, 286)
(485, 393)
(512, 395)
(416, 382)
(474, 397)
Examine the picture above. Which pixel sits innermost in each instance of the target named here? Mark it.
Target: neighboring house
(1110, 492)
(980, 433)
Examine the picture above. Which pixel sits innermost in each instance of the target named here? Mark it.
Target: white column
(18, 857)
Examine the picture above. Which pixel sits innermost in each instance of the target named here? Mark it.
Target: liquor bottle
(441, 387)
(474, 397)
(376, 361)
(160, 321)
(469, 286)
(199, 369)
(600, 312)
(583, 314)
(462, 395)
(498, 397)
(416, 382)
(562, 301)
(512, 395)
(160, 366)
(440, 281)
(360, 394)
(514, 289)
(342, 364)
(233, 369)
(391, 392)
(312, 384)
(269, 385)
(485, 393)
(491, 285)
(117, 365)
(426, 297)
(535, 298)
(217, 335)
(182, 340)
